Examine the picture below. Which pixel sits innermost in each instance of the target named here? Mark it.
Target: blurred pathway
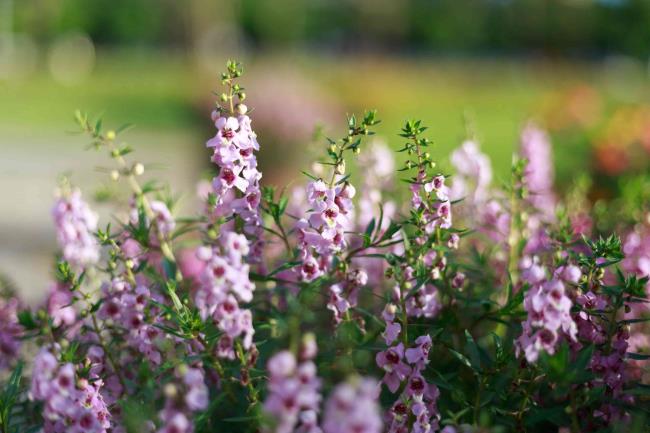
(29, 168)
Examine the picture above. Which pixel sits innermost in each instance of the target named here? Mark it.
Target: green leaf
(26, 319)
(170, 268)
(282, 205)
(462, 358)
(478, 355)
(284, 267)
(583, 358)
(390, 231)
(124, 127)
(369, 230)
(637, 356)
(309, 175)
(171, 290)
(639, 389)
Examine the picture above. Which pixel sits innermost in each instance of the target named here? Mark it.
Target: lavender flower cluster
(453, 305)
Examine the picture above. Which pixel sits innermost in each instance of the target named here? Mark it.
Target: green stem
(108, 353)
(165, 248)
(575, 424)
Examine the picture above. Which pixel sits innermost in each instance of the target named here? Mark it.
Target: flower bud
(458, 280)
(138, 169)
(182, 370)
(115, 175)
(110, 135)
(170, 390)
(224, 97)
(308, 347)
(242, 109)
(340, 168)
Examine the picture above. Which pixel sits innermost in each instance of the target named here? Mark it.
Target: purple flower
(294, 394)
(352, 408)
(473, 173)
(237, 188)
(424, 302)
(189, 394)
(69, 404)
(176, 422)
(391, 361)
(223, 284)
(321, 233)
(75, 224)
(549, 313)
(432, 198)
(59, 306)
(378, 166)
(163, 219)
(419, 355)
(536, 148)
(10, 331)
(393, 328)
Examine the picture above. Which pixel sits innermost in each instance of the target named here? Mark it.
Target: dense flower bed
(334, 308)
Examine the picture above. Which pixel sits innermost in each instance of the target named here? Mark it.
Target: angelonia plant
(409, 301)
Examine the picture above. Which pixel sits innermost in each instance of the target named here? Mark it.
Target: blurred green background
(484, 67)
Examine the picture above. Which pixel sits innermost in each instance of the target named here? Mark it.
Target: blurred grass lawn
(162, 92)
(168, 100)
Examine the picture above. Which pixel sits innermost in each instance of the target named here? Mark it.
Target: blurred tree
(583, 27)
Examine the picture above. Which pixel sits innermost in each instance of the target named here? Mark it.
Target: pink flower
(393, 328)
(424, 302)
(190, 395)
(176, 422)
(163, 219)
(294, 393)
(237, 188)
(190, 265)
(352, 408)
(59, 306)
(10, 331)
(419, 355)
(69, 404)
(391, 361)
(75, 224)
(322, 233)
(223, 284)
(473, 173)
(536, 148)
(549, 312)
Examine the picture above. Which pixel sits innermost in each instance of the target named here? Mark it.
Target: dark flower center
(228, 175)
(392, 357)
